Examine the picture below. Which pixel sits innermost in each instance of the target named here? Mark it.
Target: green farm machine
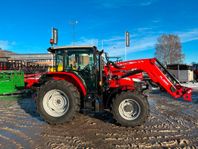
(11, 82)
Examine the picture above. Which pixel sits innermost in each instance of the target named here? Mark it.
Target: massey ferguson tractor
(83, 79)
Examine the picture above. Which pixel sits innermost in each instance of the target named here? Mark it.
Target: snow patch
(191, 85)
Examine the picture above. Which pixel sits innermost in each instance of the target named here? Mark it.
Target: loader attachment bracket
(187, 95)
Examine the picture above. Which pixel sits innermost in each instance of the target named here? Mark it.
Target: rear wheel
(130, 109)
(58, 101)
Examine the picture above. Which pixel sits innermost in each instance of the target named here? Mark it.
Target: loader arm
(157, 73)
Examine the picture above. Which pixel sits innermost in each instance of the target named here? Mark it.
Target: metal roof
(53, 49)
(35, 56)
(179, 67)
(71, 47)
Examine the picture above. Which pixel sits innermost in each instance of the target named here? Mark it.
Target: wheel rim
(129, 109)
(55, 103)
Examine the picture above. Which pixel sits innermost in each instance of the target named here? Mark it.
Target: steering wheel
(86, 70)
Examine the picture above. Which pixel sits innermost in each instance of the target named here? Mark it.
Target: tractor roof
(53, 49)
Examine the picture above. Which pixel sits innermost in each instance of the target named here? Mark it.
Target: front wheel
(130, 109)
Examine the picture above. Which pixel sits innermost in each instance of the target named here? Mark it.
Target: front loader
(81, 79)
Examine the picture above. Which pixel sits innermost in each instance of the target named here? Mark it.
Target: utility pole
(73, 23)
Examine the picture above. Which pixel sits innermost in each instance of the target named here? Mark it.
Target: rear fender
(70, 77)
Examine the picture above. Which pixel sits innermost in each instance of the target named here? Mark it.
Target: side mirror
(54, 39)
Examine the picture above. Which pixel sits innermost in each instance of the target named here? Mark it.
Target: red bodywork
(149, 66)
(123, 77)
(31, 79)
(70, 77)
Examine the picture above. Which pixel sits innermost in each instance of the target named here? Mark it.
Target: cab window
(78, 60)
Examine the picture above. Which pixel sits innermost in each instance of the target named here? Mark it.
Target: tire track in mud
(69, 135)
(162, 130)
(20, 130)
(16, 126)
(6, 142)
(105, 135)
(171, 124)
(180, 125)
(16, 136)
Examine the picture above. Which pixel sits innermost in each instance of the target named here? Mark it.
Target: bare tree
(169, 50)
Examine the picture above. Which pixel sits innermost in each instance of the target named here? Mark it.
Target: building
(39, 58)
(182, 72)
(29, 63)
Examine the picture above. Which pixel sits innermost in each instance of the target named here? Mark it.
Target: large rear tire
(130, 109)
(58, 101)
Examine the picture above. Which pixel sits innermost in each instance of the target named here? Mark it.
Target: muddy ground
(171, 124)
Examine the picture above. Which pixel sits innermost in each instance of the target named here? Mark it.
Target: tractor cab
(81, 60)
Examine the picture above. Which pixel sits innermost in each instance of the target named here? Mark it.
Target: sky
(25, 25)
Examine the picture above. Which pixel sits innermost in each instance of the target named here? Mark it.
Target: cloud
(146, 3)
(115, 45)
(85, 41)
(5, 44)
(188, 35)
(117, 48)
(156, 21)
(141, 29)
(123, 3)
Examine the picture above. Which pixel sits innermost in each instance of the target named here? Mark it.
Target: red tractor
(85, 80)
